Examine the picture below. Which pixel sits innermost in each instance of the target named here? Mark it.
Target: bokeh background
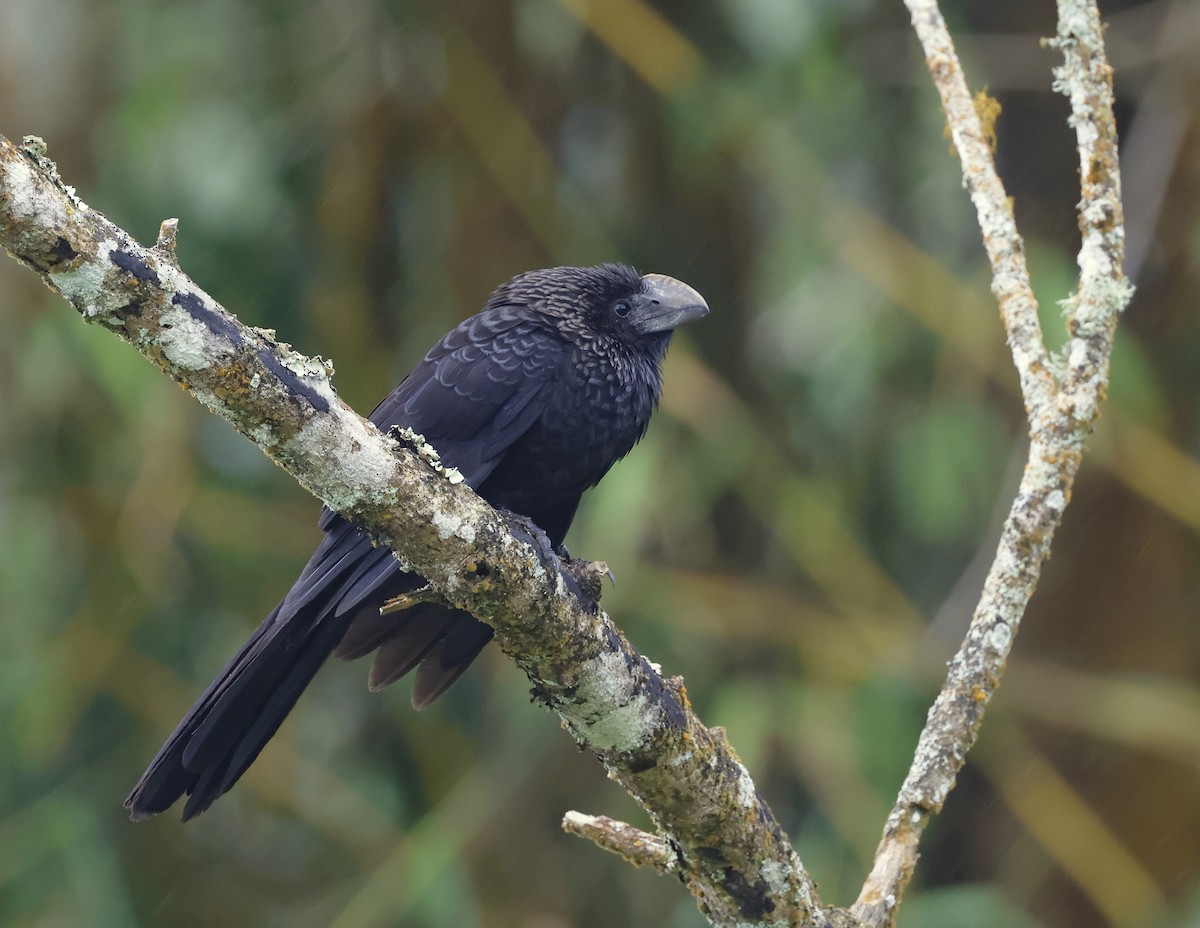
(802, 534)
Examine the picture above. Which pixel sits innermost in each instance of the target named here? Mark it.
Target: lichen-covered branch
(1004, 245)
(1060, 413)
(1085, 78)
(730, 851)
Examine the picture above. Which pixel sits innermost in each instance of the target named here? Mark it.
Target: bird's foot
(583, 578)
(587, 578)
(529, 531)
(565, 556)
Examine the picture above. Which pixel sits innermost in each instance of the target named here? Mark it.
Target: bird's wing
(478, 390)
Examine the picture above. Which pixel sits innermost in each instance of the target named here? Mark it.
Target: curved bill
(667, 303)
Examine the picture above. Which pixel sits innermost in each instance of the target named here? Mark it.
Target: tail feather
(293, 643)
(229, 766)
(237, 715)
(405, 644)
(449, 658)
(333, 608)
(337, 554)
(167, 778)
(378, 579)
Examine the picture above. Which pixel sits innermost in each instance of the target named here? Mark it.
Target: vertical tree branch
(1004, 245)
(1085, 78)
(1060, 414)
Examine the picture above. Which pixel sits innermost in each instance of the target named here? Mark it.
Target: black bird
(533, 400)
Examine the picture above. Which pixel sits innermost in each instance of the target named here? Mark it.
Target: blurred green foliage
(802, 534)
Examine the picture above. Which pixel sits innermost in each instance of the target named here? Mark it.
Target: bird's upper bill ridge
(671, 303)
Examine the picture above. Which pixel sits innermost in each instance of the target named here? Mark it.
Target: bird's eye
(622, 308)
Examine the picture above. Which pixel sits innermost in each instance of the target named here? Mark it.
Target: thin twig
(1060, 416)
(1004, 245)
(633, 845)
(1085, 78)
(424, 594)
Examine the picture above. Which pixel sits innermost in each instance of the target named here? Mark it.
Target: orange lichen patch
(987, 108)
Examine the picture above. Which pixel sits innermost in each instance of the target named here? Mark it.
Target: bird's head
(608, 299)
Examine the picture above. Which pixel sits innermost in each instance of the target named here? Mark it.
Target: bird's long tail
(238, 713)
(335, 601)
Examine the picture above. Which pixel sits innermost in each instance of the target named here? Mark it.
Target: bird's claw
(582, 577)
(587, 579)
(528, 530)
(565, 556)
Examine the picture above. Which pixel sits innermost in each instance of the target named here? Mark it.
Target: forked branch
(1061, 410)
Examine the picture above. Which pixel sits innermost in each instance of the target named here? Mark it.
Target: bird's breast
(596, 414)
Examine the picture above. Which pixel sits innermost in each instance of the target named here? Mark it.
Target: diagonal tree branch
(728, 848)
(1061, 414)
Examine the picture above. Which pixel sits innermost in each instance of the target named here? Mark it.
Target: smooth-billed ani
(533, 400)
